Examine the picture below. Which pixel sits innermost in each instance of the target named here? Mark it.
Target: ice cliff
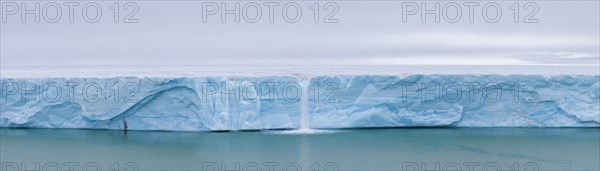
(247, 101)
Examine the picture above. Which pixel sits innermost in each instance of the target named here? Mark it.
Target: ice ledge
(199, 103)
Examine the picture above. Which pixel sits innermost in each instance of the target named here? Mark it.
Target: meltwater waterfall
(304, 120)
(304, 113)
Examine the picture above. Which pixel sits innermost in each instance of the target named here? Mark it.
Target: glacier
(225, 99)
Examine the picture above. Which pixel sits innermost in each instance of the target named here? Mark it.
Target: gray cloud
(368, 33)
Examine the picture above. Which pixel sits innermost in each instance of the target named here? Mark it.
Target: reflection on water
(370, 149)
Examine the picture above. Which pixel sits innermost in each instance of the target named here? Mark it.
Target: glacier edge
(208, 103)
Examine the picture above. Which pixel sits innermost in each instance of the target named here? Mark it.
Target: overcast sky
(366, 33)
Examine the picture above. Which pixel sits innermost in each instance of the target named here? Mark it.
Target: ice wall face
(458, 100)
(174, 104)
(275, 102)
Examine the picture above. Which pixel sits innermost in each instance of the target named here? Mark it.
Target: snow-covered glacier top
(199, 98)
(191, 71)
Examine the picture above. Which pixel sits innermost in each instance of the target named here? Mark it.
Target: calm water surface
(367, 149)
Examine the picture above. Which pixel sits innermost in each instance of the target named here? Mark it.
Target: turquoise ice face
(302, 98)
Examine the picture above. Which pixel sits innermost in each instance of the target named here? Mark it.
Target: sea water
(351, 149)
